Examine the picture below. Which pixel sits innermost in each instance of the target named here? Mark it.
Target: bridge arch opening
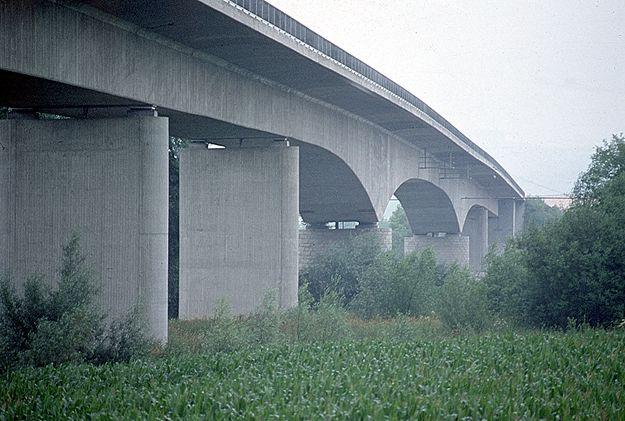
(428, 208)
(330, 191)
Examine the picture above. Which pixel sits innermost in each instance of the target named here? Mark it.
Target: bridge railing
(282, 21)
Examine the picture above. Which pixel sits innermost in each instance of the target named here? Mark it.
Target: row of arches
(330, 191)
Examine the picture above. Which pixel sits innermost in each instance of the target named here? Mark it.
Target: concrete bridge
(308, 129)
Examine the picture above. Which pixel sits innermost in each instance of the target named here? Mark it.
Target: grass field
(532, 375)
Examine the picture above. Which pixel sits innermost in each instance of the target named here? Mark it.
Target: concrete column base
(105, 180)
(238, 228)
(451, 248)
(315, 241)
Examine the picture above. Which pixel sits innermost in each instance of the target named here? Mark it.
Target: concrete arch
(428, 208)
(330, 190)
(472, 213)
(470, 205)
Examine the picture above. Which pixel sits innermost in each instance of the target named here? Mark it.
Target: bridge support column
(105, 180)
(507, 224)
(449, 248)
(476, 228)
(316, 240)
(238, 228)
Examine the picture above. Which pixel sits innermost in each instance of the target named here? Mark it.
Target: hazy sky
(536, 83)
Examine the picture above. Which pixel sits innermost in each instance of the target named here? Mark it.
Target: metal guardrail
(277, 18)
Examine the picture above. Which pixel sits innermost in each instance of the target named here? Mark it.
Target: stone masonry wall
(449, 249)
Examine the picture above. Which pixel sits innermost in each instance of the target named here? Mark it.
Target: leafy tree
(392, 285)
(575, 266)
(340, 267)
(607, 163)
(401, 229)
(538, 213)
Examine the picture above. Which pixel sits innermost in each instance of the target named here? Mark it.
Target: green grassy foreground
(506, 375)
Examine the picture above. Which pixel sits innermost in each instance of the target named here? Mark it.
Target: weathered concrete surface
(238, 228)
(7, 195)
(451, 248)
(476, 228)
(106, 180)
(314, 241)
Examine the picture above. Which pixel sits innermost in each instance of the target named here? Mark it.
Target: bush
(223, 333)
(462, 301)
(320, 321)
(340, 268)
(506, 281)
(264, 325)
(392, 286)
(62, 325)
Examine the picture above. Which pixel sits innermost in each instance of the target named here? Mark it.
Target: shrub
(223, 333)
(340, 268)
(506, 281)
(62, 325)
(392, 286)
(319, 321)
(462, 301)
(264, 325)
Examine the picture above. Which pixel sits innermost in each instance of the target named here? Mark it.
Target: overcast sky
(538, 84)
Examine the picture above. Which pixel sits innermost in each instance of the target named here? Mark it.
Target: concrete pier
(476, 228)
(449, 248)
(238, 228)
(506, 224)
(105, 180)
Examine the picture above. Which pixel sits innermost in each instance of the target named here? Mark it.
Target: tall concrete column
(107, 181)
(449, 248)
(316, 240)
(505, 225)
(7, 196)
(238, 228)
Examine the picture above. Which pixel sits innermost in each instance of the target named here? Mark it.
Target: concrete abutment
(107, 181)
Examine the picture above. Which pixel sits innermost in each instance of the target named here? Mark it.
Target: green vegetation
(63, 325)
(577, 374)
(340, 267)
(574, 267)
(538, 213)
(398, 222)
